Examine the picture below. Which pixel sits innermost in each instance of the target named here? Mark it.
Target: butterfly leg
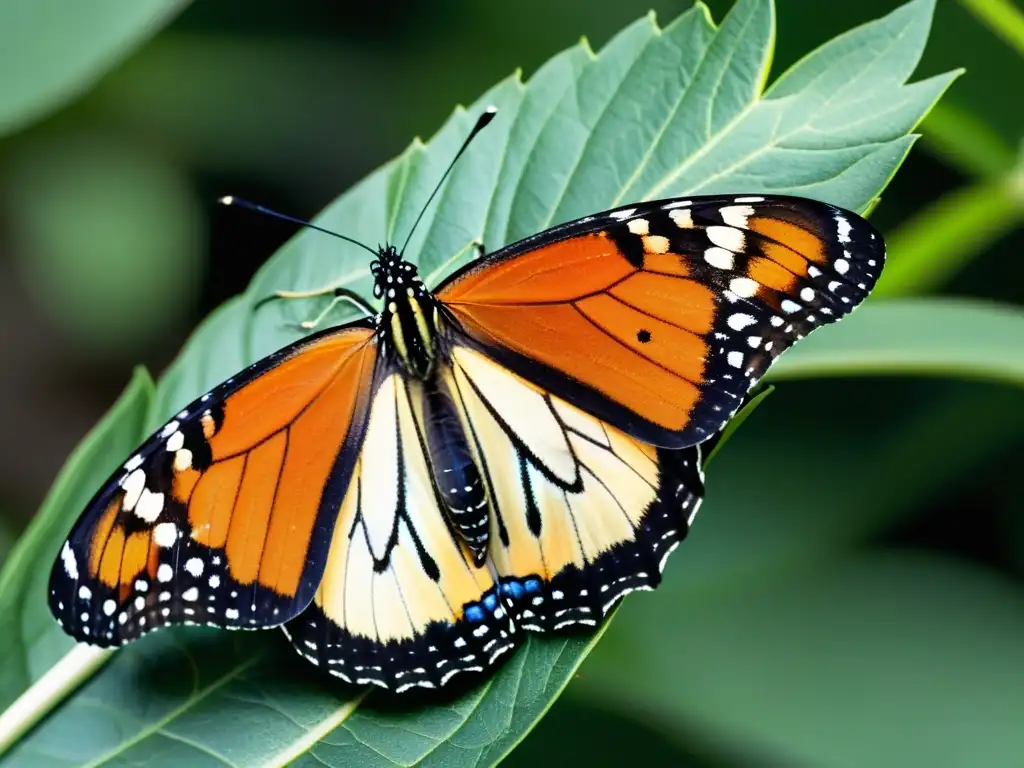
(338, 295)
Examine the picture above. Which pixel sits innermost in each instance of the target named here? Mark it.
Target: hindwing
(580, 514)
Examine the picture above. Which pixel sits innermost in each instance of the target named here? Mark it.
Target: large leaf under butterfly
(512, 451)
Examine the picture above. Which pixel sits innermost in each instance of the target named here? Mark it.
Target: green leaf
(659, 112)
(30, 644)
(171, 699)
(899, 658)
(58, 49)
(928, 337)
(214, 352)
(612, 739)
(930, 248)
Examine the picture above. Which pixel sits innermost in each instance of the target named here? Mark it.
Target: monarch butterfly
(408, 494)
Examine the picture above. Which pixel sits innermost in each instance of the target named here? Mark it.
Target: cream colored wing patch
(582, 514)
(401, 603)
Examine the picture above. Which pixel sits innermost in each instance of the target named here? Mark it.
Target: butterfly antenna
(231, 200)
(481, 123)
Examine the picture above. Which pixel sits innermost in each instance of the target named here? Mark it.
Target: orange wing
(659, 318)
(223, 517)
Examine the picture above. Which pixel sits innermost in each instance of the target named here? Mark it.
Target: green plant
(836, 126)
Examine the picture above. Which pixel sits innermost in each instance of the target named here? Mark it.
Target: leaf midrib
(158, 725)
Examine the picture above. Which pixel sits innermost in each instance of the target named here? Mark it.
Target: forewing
(223, 515)
(659, 318)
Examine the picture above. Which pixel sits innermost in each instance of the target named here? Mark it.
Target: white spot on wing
(176, 441)
(720, 258)
(682, 217)
(726, 237)
(744, 287)
(133, 486)
(736, 215)
(150, 506)
(739, 320)
(639, 226)
(182, 460)
(843, 228)
(165, 535)
(67, 555)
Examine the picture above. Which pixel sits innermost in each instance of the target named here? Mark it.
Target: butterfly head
(394, 277)
(409, 319)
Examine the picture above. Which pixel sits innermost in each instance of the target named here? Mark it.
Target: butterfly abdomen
(455, 473)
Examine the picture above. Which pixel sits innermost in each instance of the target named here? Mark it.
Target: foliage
(657, 112)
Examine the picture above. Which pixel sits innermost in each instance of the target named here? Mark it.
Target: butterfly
(513, 451)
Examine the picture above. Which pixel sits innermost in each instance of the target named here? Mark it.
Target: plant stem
(35, 703)
(929, 248)
(1001, 16)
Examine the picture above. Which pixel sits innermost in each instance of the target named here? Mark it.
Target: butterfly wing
(581, 514)
(224, 514)
(659, 318)
(401, 603)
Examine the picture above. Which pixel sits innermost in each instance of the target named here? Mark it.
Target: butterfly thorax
(410, 331)
(409, 323)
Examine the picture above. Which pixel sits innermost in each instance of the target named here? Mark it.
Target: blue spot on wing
(513, 588)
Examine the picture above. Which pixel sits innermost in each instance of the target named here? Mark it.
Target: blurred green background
(892, 539)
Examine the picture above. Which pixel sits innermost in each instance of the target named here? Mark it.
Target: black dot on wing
(643, 335)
